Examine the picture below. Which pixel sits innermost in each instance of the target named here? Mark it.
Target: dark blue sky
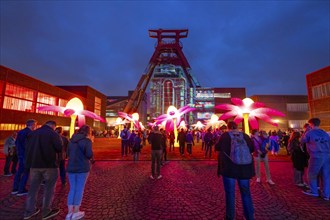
(267, 47)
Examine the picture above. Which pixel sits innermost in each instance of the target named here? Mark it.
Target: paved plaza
(190, 189)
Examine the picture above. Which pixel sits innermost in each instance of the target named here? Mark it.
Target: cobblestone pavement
(188, 190)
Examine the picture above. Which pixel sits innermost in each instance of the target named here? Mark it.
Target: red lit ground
(189, 189)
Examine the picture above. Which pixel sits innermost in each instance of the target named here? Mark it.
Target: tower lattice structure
(169, 76)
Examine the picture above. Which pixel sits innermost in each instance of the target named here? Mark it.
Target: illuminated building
(318, 89)
(21, 95)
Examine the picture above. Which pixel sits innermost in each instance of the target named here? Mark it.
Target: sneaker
(326, 198)
(300, 184)
(31, 215)
(308, 192)
(270, 182)
(78, 215)
(23, 193)
(8, 174)
(14, 192)
(258, 180)
(68, 216)
(51, 214)
(152, 177)
(159, 177)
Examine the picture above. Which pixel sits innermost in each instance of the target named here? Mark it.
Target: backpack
(239, 151)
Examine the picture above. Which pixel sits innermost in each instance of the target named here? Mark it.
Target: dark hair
(59, 130)
(315, 121)
(232, 125)
(306, 125)
(294, 135)
(51, 123)
(84, 130)
(254, 131)
(30, 122)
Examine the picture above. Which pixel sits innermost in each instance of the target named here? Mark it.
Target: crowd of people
(42, 153)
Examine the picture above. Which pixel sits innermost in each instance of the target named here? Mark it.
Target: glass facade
(167, 87)
(204, 103)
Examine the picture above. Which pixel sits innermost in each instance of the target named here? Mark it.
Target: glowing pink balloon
(172, 116)
(68, 112)
(130, 118)
(255, 110)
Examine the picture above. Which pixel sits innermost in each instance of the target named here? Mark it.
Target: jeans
(181, 146)
(319, 166)
(298, 176)
(38, 175)
(244, 187)
(156, 156)
(124, 147)
(77, 185)
(208, 149)
(266, 164)
(10, 159)
(136, 156)
(189, 148)
(62, 171)
(21, 176)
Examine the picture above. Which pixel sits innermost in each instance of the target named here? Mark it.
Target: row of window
(24, 99)
(297, 107)
(321, 91)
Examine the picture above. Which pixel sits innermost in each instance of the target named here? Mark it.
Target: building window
(19, 92)
(17, 104)
(297, 107)
(321, 91)
(12, 127)
(226, 95)
(297, 124)
(46, 99)
(97, 106)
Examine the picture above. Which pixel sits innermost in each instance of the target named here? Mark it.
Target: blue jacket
(269, 145)
(21, 142)
(317, 142)
(79, 153)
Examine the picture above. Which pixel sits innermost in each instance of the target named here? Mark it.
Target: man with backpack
(124, 135)
(235, 163)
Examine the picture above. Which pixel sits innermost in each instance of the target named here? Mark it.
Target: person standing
(172, 140)
(232, 172)
(42, 149)
(9, 149)
(124, 135)
(156, 139)
(80, 156)
(137, 146)
(63, 155)
(261, 154)
(22, 174)
(190, 142)
(208, 141)
(298, 157)
(182, 141)
(318, 146)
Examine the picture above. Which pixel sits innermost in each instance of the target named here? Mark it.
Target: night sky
(267, 47)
